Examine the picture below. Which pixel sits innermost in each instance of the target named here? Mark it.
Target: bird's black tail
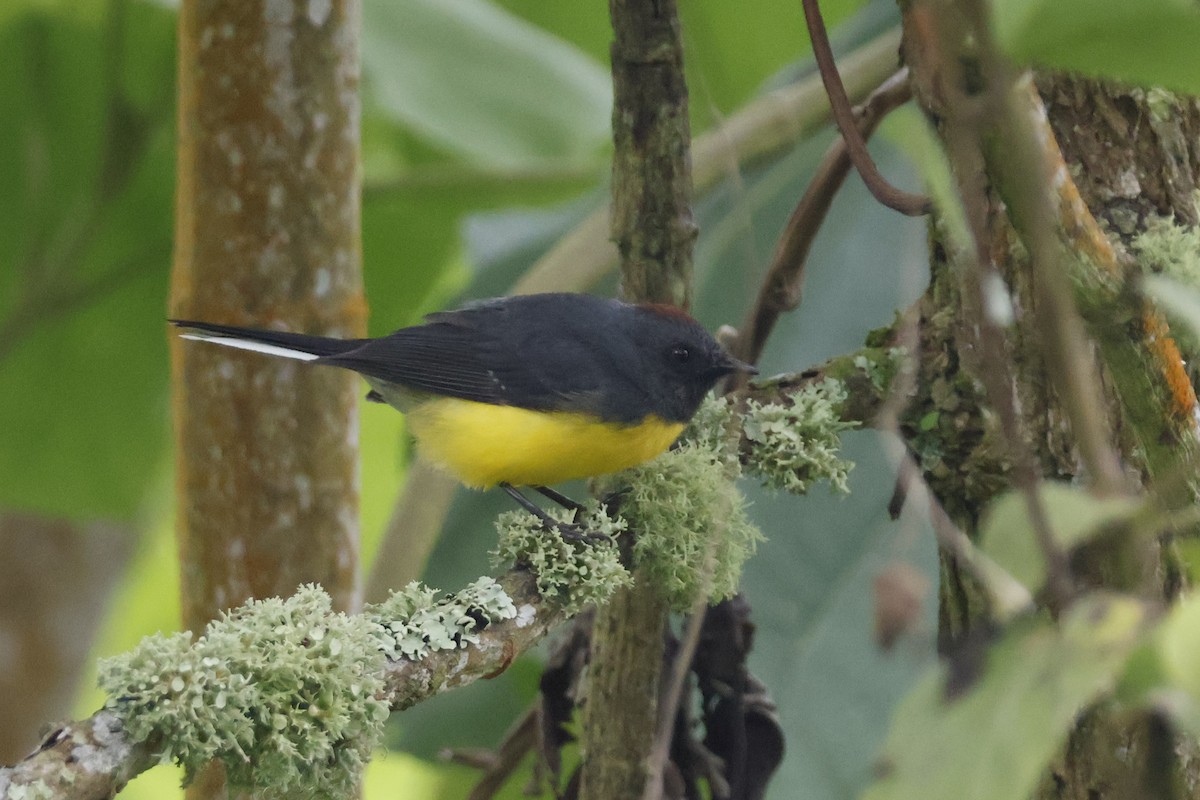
(276, 343)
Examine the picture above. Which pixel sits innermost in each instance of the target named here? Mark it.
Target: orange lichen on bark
(1079, 227)
(1170, 360)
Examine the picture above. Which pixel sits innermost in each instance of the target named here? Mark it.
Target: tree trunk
(653, 228)
(1133, 157)
(267, 235)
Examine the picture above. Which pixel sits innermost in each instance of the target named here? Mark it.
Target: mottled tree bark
(652, 221)
(654, 231)
(267, 234)
(1136, 157)
(1132, 155)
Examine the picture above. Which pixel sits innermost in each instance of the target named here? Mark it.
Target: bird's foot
(574, 533)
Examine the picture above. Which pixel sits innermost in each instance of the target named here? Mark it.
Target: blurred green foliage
(1151, 42)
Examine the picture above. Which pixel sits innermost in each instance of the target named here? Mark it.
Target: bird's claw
(574, 533)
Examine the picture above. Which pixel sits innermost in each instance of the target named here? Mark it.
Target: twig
(1011, 597)
(1029, 155)
(782, 287)
(1009, 594)
(963, 128)
(669, 702)
(913, 205)
(499, 765)
(994, 366)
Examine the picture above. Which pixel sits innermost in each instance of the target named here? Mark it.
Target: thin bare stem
(1009, 595)
(782, 287)
(907, 203)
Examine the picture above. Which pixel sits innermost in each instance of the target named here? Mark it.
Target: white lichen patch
(415, 621)
(113, 749)
(794, 446)
(526, 614)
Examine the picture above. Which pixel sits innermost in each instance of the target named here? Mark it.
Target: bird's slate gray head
(681, 361)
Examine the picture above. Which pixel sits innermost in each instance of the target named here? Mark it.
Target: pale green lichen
(1171, 249)
(693, 531)
(284, 692)
(281, 691)
(572, 574)
(414, 621)
(794, 446)
(715, 427)
(881, 370)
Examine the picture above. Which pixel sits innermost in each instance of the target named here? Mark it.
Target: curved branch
(782, 287)
(907, 203)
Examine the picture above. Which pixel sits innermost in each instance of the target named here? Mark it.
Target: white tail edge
(256, 347)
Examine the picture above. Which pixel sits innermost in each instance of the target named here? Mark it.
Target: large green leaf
(994, 742)
(480, 82)
(1151, 42)
(85, 249)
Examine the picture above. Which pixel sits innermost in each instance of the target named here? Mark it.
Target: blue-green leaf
(482, 83)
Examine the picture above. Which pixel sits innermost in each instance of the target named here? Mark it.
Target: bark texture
(267, 235)
(652, 221)
(654, 231)
(1126, 156)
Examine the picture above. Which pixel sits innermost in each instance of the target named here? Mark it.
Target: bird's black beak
(734, 365)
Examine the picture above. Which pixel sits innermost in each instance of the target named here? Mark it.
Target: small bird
(529, 390)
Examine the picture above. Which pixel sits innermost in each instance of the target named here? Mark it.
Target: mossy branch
(290, 695)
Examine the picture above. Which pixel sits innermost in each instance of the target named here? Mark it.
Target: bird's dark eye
(681, 354)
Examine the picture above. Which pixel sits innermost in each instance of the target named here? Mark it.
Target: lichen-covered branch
(295, 726)
(409, 681)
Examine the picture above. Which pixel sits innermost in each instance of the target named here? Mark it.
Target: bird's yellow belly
(483, 444)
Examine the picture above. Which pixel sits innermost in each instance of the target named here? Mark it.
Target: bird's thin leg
(569, 531)
(527, 504)
(560, 498)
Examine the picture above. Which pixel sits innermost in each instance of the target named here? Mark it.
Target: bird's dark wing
(496, 352)
(439, 357)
